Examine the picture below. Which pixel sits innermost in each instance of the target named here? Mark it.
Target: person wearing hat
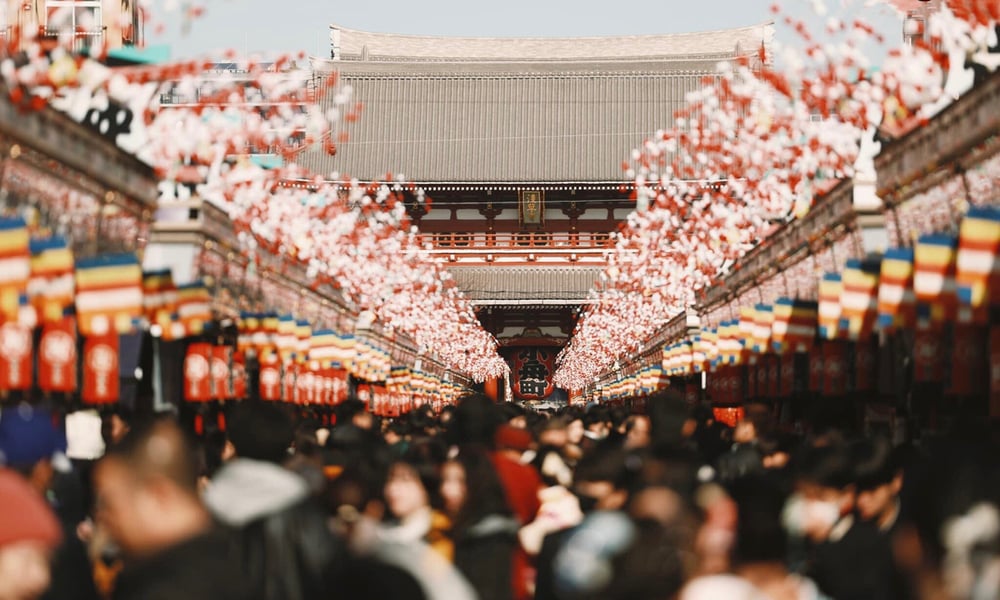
(29, 533)
(31, 445)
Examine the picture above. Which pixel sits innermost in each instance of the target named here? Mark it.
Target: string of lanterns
(774, 141)
(352, 235)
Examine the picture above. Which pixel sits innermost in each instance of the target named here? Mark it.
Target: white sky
(275, 26)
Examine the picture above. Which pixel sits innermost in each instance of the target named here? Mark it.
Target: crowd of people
(497, 502)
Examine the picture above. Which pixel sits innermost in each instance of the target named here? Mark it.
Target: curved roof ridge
(354, 44)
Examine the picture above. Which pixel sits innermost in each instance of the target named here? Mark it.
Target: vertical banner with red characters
(995, 371)
(239, 375)
(198, 372)
(533, 369)
(928, 363)
(787, 387)
(57, 357)
(816, 367)
(338, 385)
(289, 393)
(222, 386)
(305, 387)
(270, 378)
(100, 369)
(773, 362)
(865, 365)
(15, 356)
(834, 368)
(968, 361)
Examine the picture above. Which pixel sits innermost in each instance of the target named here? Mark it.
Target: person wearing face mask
(603, 479)
(845, 556)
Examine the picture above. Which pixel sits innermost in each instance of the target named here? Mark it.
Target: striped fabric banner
(710, 337)
(248, 325)
(685, 358)
(323, 348)
(303, 334)
(977, 265)
(287, 339)
(51, 288)
(859, 297)
(934, 279)
(828, 316)
(15, 266)
(699, 355)
(344, 356)
(194, 307)
(108, 294)
(762, 323)
(732, 349)
(896, 300)
(794, 328)
(744, 333)
(265, 339)
(159, 294)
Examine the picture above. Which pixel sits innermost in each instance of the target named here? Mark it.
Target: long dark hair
(484, 495)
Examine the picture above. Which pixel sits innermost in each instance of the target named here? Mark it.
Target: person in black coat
(279, 532)
(846, 557)
(147, 500)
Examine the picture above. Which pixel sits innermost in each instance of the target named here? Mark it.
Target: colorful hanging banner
(198, 372)
(108, 294)
(57, 356)
(51, 288)
(270, 378)
(994, 351)
(816, 367)
(865, 365)
(762, 323)
(289, 376)
(772, 363)
(787, 367)
(859, 297)
(287, 340)
(15, 266)
(928, 357)
(794, 328)
(16, 348)
(834, 368)
(934, 280)
(303, 333)
(829, 310)
(194, 307)
(100, 369)
(969, 361)
(222, 382)
(896, 300)
(977, 264)
(239, 375)
(744, 333)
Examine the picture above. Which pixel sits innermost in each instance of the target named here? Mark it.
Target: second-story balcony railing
(522, 240)
(80, 40)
